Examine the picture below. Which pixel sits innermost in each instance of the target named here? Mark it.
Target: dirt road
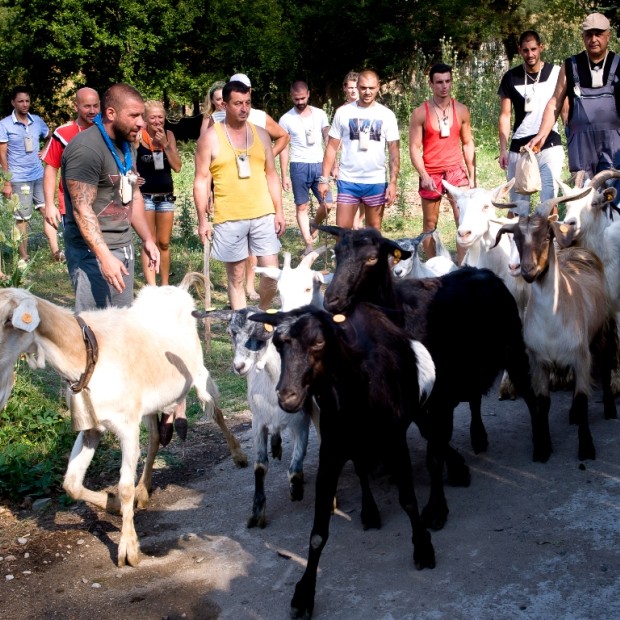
(524, 541)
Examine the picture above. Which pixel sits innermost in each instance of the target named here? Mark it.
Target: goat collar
(92, 353)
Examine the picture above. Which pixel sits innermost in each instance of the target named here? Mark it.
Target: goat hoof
(240, 459)
(128, 553)
(371, 522)
(180, 426)
(434, 519)
(479, 444)
(297, 491)
(257, 521)
(459, 476)
(587, 453)
(424, 553)
(165, 433)
(302, 604)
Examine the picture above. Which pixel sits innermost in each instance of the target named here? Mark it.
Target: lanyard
(126, 167)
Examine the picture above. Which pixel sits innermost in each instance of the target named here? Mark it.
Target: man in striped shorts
(363, 127)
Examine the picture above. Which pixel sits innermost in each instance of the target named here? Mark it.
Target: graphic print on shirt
(115, 210)
(365, 125)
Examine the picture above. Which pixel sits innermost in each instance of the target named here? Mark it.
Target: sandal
(59, 256)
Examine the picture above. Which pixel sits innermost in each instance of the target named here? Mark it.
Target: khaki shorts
(235, 241)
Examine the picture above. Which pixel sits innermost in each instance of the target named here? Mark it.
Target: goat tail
(195, 279)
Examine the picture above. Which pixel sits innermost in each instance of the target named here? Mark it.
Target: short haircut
(368, 73)
(298, 85)
(20, 89)
(529, 34)
(234, 87)
(117, 94)
(350, 77)
(439, 68)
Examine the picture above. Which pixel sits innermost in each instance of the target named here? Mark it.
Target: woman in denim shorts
(157, 157)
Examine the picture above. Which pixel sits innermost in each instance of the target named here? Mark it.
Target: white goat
(567, 314)
(149, 357)
(413, 267)
(300, 286)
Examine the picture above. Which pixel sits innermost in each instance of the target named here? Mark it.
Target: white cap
(595, 21)
(241, 77)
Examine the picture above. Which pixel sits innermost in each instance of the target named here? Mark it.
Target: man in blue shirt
(20, 138)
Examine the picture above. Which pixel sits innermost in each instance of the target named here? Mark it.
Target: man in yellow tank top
(247, 209)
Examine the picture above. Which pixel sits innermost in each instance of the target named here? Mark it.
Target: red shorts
(456, 177)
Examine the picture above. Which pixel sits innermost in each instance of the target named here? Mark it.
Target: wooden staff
(207, 275)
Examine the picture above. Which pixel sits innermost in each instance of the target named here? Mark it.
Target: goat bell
(83, 416)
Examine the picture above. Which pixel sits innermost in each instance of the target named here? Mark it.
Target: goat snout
(464, 236)
(290, 399)
(241, 367)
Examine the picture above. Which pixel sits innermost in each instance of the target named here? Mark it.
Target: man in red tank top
(441, 146)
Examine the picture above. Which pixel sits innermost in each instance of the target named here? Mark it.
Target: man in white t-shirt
(527, 89)
(308, 127)
(363, 127)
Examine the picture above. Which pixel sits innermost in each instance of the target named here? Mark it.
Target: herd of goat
(364, 361)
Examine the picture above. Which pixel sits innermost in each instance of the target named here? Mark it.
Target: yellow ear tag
(268, 327)
(27, 317)
(339, 318)
(272, 311)
(564, 228)
(397, 255)
(211, 309)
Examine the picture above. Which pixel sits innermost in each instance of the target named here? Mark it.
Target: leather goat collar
(92, 353)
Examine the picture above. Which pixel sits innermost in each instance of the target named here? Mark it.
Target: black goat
(363, 373)
(451, 316)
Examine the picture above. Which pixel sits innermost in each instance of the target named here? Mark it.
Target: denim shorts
(160, 206)
(30, 193)
(305, 177)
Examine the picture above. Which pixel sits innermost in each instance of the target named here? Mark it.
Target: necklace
(529, 101)
(247, 139)
(596, 72)
(444, 122)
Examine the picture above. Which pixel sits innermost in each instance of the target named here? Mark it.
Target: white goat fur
(413, 267)
(300, 286)
(149, 357)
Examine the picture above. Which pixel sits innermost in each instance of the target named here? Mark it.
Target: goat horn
(506, 205)
(604, 176)
(308, 259)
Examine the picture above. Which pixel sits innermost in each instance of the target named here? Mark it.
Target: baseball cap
(595, 21)
(244, 79)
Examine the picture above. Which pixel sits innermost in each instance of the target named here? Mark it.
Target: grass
(35, 433)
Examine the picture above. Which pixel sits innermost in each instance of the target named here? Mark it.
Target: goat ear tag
(211, 309)
(272, 311)
(26, 316)
(268, 327)
(397, 256)
(564, 228)
(339, 318)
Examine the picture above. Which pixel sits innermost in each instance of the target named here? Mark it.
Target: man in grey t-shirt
(103, 202)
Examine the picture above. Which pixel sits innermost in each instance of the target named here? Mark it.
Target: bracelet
(323, 179)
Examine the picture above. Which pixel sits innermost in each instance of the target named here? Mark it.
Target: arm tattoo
(83, 198)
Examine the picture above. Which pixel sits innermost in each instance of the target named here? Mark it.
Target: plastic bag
(527, 173)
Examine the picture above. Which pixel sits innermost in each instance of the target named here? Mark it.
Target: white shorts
(234, 241)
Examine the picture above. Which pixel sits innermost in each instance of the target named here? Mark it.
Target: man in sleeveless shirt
(590, 82)
(527, 89)
(441, 128)
(247, 209)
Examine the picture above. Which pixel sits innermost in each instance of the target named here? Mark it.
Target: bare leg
(358, 220)
(460, 252)
(51, 234)
(163, 227)
(236, 274)
(345, 214)
(430, 215)
(149, 274)
(374, 216)
(250, 278)
(268, 286)
(303, 221)
(22, 228)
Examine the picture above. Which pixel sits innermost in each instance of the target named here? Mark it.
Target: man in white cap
(591, 82)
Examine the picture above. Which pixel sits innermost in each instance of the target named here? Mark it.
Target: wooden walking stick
(207, 275)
